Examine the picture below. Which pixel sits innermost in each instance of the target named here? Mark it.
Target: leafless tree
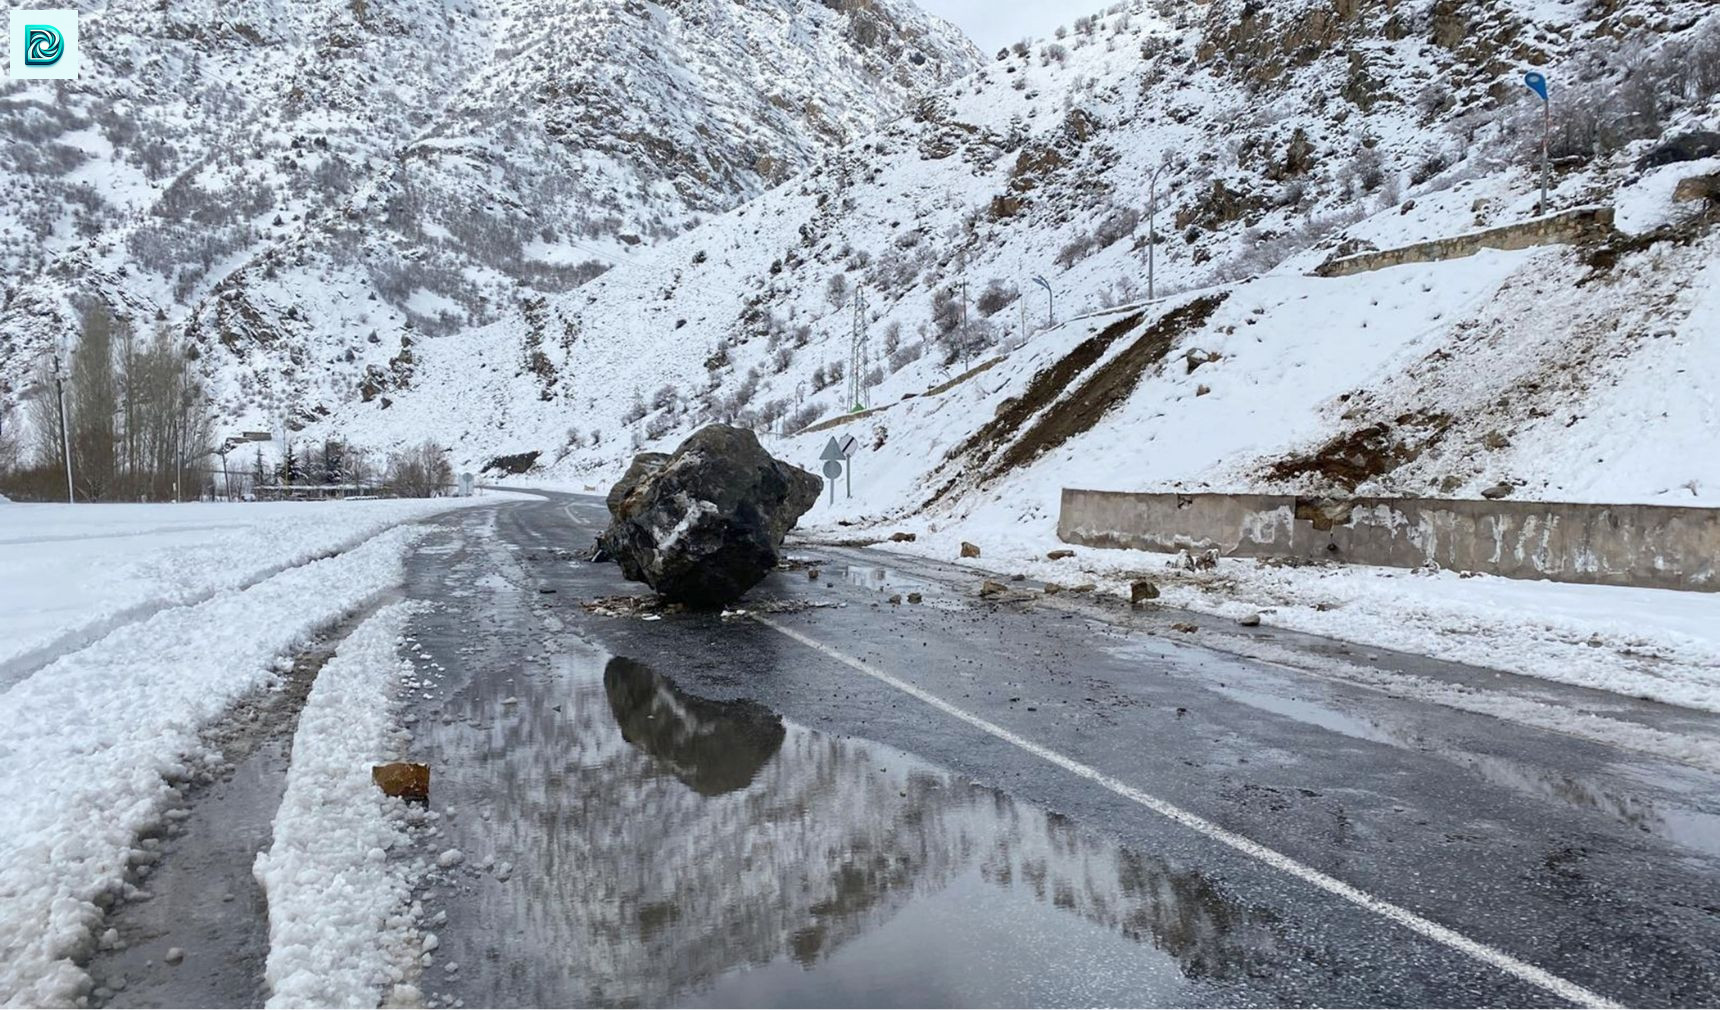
(93, 403)
(11, 446)
(420, 472)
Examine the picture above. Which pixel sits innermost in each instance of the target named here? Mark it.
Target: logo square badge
(42, 45)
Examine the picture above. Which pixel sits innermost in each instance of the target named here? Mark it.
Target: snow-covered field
(69, 574)
(168, 616)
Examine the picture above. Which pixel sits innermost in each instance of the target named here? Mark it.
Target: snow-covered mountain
(301, 185)
(1282, 133)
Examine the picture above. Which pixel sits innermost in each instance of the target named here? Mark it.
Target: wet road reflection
(712, 747)
(630, 843)
(1683, 823)
(633, 835)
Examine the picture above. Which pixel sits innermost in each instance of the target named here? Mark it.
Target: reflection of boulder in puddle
(714, 747)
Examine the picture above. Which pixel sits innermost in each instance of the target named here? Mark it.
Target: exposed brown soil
(1603, 257)
(1051, 418)
(1107, 388)
(1013, 413)
(516, 464)
(1350, 459)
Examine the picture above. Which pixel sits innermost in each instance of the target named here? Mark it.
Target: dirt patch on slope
(1051, 418)
(1602, 258)
(1079, 411)
(1015, 412)
(1355, 457)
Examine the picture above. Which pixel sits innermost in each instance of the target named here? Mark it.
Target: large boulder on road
(703, 525)
(645, 465)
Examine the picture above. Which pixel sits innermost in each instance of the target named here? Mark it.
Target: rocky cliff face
(1277, 131)
(308, 187)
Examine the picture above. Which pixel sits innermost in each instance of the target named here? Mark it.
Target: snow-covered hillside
(1282, 132)
(304, 187)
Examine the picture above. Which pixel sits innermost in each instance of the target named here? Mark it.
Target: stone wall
(1655, 546)
(1574, 227)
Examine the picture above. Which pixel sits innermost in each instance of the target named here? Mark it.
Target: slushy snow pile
(341, 928)
(97, 741)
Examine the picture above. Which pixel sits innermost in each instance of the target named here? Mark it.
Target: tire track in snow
(99, 745)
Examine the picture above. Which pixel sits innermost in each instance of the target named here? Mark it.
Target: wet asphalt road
(702, 810)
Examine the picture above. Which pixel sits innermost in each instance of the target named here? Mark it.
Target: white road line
(1521, 970)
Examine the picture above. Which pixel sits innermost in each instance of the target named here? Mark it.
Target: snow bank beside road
(340, 930)
(70, 573)
(93, 742)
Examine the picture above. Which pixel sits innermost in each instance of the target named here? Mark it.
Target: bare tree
(44, 411)
(420, 472)
(171, 427)
(11, 446)
(93, 404)
(836, 292)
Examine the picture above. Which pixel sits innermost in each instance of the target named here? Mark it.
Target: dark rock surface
(703, 526)
(1684, 147)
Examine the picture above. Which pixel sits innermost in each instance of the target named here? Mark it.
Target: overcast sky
(993, 24)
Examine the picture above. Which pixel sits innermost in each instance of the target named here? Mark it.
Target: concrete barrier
(1655, 546)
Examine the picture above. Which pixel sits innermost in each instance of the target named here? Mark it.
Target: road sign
(837, 463)
(1538, 84)
(832, 469)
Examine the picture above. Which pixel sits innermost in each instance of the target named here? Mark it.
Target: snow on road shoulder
(340, 924)
(71, 573)
(95, 742)
(1658, 644)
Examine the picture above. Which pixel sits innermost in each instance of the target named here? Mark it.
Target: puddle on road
(627, 842)
(889, 582)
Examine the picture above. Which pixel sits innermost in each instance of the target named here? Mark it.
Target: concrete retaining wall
(1622, 545)
(1587, 224)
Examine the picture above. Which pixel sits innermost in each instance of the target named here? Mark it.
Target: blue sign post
(1537, 82)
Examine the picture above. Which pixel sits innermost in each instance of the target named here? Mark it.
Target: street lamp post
(1050, 301)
